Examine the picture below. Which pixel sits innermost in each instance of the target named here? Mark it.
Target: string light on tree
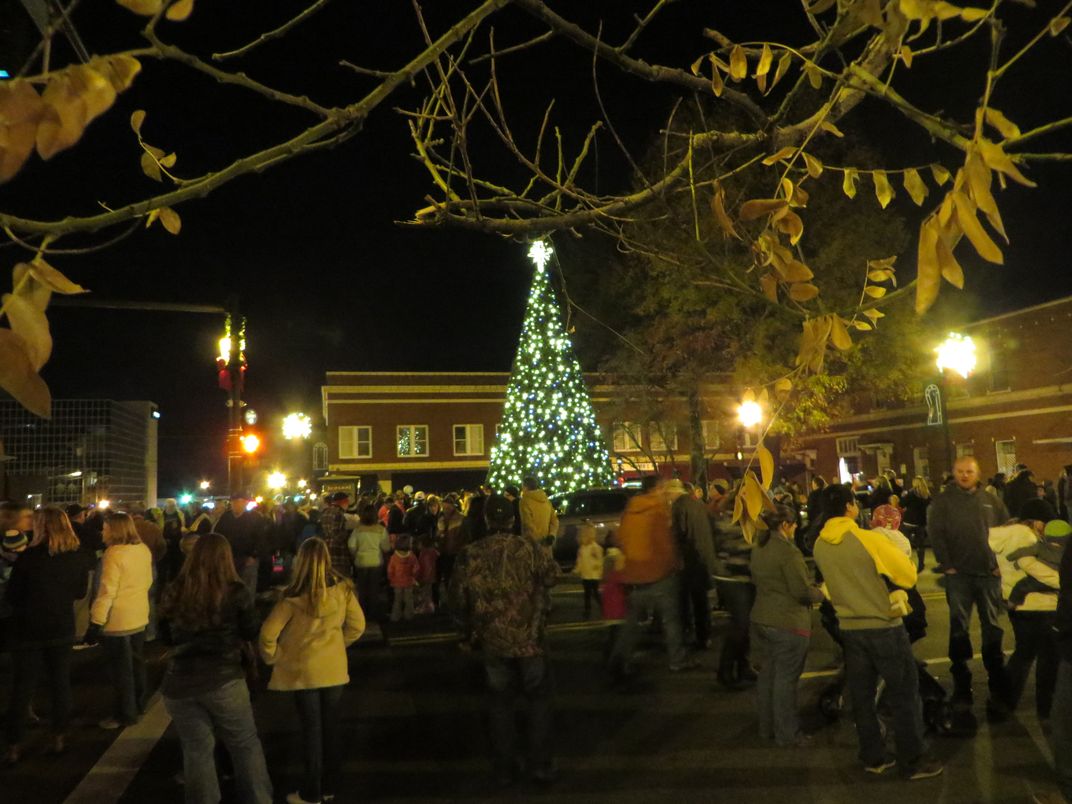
(549, 428)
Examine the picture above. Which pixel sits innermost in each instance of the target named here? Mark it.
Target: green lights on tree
(548, 428)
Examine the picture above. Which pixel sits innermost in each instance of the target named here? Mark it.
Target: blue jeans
(508, 678)
(320, 716)
(871, 653)
(662, 597)
(782, 654)
(1061, 718)
(126, 665)
(962, 592)
(225, 710)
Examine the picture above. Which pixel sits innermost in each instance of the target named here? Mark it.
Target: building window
(626, 437)
(999, 368)
(1006, 455)
(848, 446)
(711, 438)
(749, 438)
(412, 440)
(320, 457)
(965, 450)
(468, 439)
(355, 442)
(662, 437)
(921, 462)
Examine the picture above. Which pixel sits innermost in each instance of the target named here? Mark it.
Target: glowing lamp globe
(297, 425)
(749, 414)
(277, 480)
(957, 353)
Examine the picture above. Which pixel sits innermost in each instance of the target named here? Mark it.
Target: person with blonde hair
(45, 581)
(120, 614)
(304, 640)
(916, 502)
(206, 615)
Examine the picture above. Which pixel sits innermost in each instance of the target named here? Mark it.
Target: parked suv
(602, 507)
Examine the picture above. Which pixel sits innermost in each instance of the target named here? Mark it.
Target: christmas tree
(548, 429)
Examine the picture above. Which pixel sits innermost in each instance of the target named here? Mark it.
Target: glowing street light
(749, 413)
(297, 425)
(205, 485)
(186, 499)
(250, 443)
(303, 483)
(277, 480)
(956, 353)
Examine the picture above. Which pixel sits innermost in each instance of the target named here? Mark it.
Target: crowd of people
(290, 589)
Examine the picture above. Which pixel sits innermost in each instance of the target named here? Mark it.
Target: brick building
(1016, 407)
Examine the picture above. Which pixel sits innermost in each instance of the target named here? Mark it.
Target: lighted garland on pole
(548, 428)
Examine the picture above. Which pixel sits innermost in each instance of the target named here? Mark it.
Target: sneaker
(925, 770)
(881, 767)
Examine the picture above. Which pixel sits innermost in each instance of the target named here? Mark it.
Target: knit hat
(498, 510)
(1038, 509)
(15, 541)
(1057, 529)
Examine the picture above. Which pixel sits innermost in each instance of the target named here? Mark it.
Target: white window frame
(848, 446)
(965, 449)
(656, 440)
(1005, 466)
(712, 439)
(320, 457)
(626, 437)
(469, 431)
(412, 441)
(353, 442)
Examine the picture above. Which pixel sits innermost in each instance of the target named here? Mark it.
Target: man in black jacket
(958, 522)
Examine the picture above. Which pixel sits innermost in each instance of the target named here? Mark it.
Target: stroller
(937, 709)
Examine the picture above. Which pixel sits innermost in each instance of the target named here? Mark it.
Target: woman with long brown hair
(305, 640)
(45, 581)
(120, 614)
(206, 615)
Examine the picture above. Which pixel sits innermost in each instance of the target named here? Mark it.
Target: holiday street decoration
(548, 429)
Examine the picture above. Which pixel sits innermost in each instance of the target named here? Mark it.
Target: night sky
(328, 282)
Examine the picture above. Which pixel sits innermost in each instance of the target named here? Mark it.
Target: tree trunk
(697, 450)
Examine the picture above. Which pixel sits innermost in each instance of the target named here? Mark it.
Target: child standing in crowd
(428, 589)
(613, 592)
(402, 575)
(589, 565)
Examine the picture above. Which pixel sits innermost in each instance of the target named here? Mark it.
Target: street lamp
(205, 485)
(749, 413)
(302, 484)
(277, 480)
(297, 425)
(957, 354)
(250, 443)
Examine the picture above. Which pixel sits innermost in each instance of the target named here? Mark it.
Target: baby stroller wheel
(832, 702)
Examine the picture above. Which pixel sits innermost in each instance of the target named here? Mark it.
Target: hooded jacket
(853, 562)
(538, 518)
(306, 649)
(958, 522)
(646, 541)
(1005, 540)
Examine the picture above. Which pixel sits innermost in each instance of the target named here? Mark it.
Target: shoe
(295, 798)
(688, 664)
(12, 755)
(881, 767)
(111, 724)
(925, 770)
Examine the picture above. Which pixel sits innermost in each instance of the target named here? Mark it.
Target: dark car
(602, 507)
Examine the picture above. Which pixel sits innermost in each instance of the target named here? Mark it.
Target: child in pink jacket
(402, 575)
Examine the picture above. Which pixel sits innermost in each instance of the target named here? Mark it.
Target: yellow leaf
(169, 160)
(718, 207)
(783, 65)
(144, 7)
(28, 321)
(839, 334)
(758, 207)
(152, 216)
(53, 279)
(717, 84)
(1004, 125)
(1058, 24)
(815, 75)
(799, 197)
(826, 125)
(766, 465)
(796, 271)
(20, 110)
(874, 291)
(972, 14)
(119, 69)
(180, 10)
(978, 178)
(862, 326)
(848, 184)
(779, 155)
(170, 220)
(18, 378)
(951, 270)
(874, 313)
(885, 264)
(769, 285)
(915, 187)
(906, 56)
(803, 291)
(791, 224)
(749, 395)
(695, 67)
(765, 59)
(883, 192)
(880, 275)
(150, 167)
(783, 386)
(738, 508)
(940, 174)
(738, 63)
(929, 272)
(137, 117)
(974, 231)
(815, 167)
(996, 158)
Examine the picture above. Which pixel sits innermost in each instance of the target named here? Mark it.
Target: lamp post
(749, 415)
(957, 354)
(231, 364)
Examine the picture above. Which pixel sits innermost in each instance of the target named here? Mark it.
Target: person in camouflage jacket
(336, 533)
(498, 592)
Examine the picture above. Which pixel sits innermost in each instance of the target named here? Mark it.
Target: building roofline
(1020, 311)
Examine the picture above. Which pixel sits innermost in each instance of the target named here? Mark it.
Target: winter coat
(589, 562)
(307, 649)
(646, 541)
(41, 592)
(538, 517)
(1007, 539)
(402, 570)
(692, 530)
(367, 544)
(784, 592)
(958, 524)
(449, 532)
(122, 604)
(1018, 491)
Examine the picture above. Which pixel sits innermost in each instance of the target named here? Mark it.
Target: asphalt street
(414, 732)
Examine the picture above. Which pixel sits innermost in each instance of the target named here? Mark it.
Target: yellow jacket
(589, 562)
(307, 650)
(538, 517)
(122, 603)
